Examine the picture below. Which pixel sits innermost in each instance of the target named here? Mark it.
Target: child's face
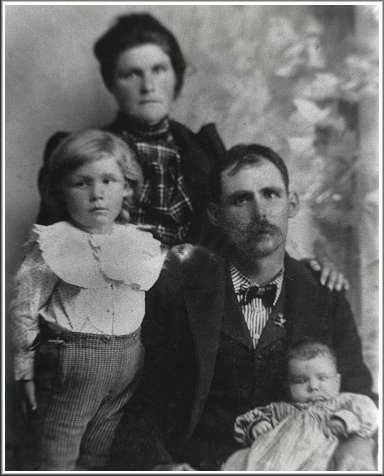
(94, 194)
(313, 380)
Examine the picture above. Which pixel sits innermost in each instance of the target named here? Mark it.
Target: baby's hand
(261, 427)
(337, 427)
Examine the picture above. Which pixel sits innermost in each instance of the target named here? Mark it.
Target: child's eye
(323, 378)
(80, 184)
(109, 180)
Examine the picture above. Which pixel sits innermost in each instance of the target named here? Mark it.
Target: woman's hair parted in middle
(84, 147)
(134, 30)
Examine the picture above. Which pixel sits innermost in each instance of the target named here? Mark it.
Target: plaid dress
(164, 201)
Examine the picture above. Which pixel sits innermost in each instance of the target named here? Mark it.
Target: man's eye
(240, 199)
(323, 378)
(297, 381)
(271, 194)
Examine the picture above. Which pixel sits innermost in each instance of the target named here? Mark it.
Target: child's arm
(357, 415)
(244, 423)
(34, 284)
(260, 420)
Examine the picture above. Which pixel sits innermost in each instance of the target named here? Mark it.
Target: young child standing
(79, 302)
(302, 435)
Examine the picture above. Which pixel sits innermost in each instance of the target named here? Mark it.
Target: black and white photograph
(192, 212)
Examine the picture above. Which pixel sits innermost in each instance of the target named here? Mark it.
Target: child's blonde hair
(83, 147)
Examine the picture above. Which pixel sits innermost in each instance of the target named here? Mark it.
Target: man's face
(254, 209)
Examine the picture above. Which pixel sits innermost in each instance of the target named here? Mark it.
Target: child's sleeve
(359, 414)
(33, 285)
(244, 423)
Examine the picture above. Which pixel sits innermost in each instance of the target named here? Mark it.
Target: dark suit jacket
(198, 153)
(181, 331)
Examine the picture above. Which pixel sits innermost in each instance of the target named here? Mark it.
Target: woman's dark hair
(134, 30)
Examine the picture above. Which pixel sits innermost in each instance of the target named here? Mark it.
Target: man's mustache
(260, 226)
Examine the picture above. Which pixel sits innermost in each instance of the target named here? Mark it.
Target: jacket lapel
(299, 310)
(204, 297)
(304, 307)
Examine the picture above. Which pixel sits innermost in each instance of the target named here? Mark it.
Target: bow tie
(267, 293)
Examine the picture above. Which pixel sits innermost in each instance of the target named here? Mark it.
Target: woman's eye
(126, 74)
(160, 68)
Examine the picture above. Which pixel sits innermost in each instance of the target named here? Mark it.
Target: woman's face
(144, 83)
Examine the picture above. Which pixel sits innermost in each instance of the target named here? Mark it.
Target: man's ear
(294, 204)
(213, 212)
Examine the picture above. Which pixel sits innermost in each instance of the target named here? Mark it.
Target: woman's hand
(28, 399)
(330, 276)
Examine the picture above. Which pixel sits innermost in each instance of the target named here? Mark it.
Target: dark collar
(140, 129)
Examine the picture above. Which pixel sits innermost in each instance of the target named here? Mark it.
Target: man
(215, 343)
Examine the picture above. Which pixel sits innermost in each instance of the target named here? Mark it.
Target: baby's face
(313, 380)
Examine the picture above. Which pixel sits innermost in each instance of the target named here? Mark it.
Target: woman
(143, 68)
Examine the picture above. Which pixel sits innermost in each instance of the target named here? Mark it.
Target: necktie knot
(266, 293)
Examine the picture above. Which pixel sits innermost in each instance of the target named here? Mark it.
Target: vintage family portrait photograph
(192, 212)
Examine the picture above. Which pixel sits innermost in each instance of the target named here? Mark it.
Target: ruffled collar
(127, 255)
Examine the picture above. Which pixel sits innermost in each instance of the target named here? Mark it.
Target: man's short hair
(240, 156)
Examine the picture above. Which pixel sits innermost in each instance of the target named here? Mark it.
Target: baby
(302, 435)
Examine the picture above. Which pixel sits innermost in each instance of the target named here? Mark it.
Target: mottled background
(303, 79)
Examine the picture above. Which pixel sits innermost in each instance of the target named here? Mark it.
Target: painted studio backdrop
(302, 79)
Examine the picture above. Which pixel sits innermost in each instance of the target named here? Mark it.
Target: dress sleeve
(45, 216)
(33, 285)
(359, 414)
